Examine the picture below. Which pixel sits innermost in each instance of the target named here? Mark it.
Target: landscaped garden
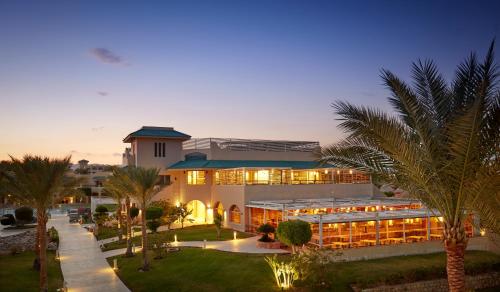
(17, 273)
(194, 269)
(191, 233)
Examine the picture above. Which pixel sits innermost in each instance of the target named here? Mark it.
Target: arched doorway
(234, 214)
(199, 211)
(219, 208)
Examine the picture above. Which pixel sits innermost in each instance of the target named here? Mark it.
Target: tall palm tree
(145, 181)
(110, 185)
(120, 185)
(442, 146)
(38, 181)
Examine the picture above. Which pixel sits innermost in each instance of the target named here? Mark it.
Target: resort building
(251, 182)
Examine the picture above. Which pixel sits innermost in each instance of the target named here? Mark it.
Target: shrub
(101, 209)
(153, 225)
(389, 194)
(218, 222)
(266, 229)
(134, 212)
(24, 215)
(154, 213)
(8, 219)
(53, 235)
(294, 233)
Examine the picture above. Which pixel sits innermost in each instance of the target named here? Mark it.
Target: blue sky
(78, 76)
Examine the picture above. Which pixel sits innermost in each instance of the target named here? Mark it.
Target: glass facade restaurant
(355, 223)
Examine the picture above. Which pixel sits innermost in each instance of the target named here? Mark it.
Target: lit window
(234, 214)
(195, 177)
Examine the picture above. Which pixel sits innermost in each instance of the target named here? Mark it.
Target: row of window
(277, 176)
(159, 149)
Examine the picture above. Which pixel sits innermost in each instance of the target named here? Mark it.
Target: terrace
(355, 222)
(235, 144)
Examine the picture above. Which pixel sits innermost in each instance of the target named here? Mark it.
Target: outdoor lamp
(115, 264)
(234, 235)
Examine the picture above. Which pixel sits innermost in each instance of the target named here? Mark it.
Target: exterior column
(320, 231)
(404, 231)
(350, 233)
(265, 216)
(428, 226)
(377, 232)
(249, 219)
(475, 226)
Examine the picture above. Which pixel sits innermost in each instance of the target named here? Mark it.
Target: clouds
(103, 93)
(106, 56)
(97, 129)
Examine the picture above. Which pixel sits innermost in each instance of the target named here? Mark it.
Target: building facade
(225, 175)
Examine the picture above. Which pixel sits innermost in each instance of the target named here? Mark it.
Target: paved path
(245, 245)
(83, 265)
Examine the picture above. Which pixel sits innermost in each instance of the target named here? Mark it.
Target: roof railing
(233, 144)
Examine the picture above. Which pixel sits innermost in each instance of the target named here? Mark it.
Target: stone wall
(19, 242)
(404, 249)
(472, 283)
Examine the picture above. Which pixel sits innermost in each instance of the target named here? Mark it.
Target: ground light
(482, 232)
(175, 238)
(234, 235)
(204, 243)
(115, 264)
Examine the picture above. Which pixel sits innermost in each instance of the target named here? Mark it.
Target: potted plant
(266, 241)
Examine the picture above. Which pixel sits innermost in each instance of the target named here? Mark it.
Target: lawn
(17, 274)
(108, 232)
(191, 233)
(194, 269)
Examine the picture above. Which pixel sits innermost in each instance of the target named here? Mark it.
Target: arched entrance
(234, 214)
(199, 211)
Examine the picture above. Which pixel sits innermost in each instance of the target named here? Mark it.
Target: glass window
(195, 177)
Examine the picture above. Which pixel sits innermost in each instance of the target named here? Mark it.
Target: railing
(250, 145)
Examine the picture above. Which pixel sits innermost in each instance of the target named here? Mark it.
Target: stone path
(83, 265)
(245, 245)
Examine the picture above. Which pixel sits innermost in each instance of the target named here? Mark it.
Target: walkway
(245, 245)
(83, 265)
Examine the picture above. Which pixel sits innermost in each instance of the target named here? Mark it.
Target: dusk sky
(77, 78)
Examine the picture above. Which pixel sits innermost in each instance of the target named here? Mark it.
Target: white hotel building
(255, 181)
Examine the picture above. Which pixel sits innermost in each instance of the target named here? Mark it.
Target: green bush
(153, 225)
(134, 212)
(294, 233)
(53, 235)
(389, 194)
(153, 213)
(24, 215)
(101, 209)
(266, 229)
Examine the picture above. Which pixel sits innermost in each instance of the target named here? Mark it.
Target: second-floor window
(195, 177)
(159, 149)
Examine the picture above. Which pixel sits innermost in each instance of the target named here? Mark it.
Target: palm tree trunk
(36, 261)
(145, 265)
(42, 242)
(120, 220)
(455, 266)
(128, 253)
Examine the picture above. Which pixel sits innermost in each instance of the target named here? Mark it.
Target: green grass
(17, 274)
(194, 269)
(108, 232)
(191, 233)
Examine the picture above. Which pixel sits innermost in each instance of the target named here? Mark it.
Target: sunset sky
(77, 78)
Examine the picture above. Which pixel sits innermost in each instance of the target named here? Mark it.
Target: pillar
(404, 231)
(377, 230)
(249, 219)
(350, 234)
(428, 226)
(320, 231)
(476, 225)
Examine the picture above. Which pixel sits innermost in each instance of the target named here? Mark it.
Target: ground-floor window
(235, 214)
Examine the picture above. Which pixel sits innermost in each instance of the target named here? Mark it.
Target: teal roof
(156, 132)
(203, 164)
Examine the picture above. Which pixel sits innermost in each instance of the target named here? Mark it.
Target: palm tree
(38, 181)
(145, 181)
(112, 187)
(443, 147)
(121, 187)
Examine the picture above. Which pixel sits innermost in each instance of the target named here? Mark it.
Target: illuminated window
(234, 214)
(195, 177)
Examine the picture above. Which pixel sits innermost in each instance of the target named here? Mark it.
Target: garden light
(234, 235)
